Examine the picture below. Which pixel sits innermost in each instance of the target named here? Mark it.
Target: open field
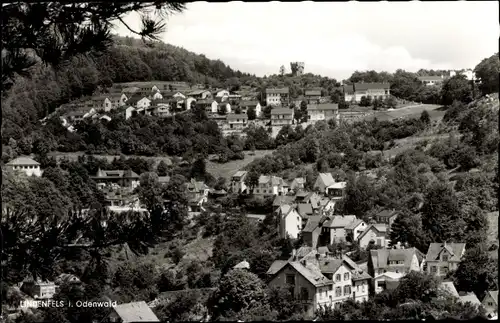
(228, 169)
(435, 112)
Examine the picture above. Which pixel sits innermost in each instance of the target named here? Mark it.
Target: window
(290, 279)
(363, 288)
(338, 292)
(381, 284)
(337, 305)
(444, 257)
(433, 269)
(444, 270)
(357, 288)
(331, 287)
(346, 276)
(304, 293)
(347, 290)
(337, 277)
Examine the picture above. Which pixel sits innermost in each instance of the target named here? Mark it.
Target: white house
(238, 182)
(490, 303)
(132, 312)
(290, 222)
(377, 233)
(388, 280)
(269, 185)
(156, 96)
(26, 165)
(336, 190)
(143, 103)
(355, 229)
(222, 93)
(189, 101)
(323, 181)
(129, 112)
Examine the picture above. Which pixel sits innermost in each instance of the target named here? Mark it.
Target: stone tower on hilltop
(297, 68)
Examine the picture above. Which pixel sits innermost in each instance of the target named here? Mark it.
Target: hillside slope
(30, 100)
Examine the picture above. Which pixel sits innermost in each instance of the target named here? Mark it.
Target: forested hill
(128, 60)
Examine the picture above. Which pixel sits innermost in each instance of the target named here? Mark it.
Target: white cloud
(334, 39)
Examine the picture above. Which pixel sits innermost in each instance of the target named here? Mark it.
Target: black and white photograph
(173, 161)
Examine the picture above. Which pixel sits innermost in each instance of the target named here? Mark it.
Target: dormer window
(444, 257)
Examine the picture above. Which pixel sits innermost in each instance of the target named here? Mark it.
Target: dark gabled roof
(387, 213)
(454, 249)
(283, 199)
(135, 312)
(381, 257)
(23, 161)
(249, 103)
(371, 86)
(312, 223)
(283, 90)
(313, 92)
(234, 116)
(304, 209)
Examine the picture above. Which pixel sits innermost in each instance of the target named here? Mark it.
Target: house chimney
(303, 262)
(294, 254)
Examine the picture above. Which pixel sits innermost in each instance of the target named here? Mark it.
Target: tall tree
(456, 88)
(487, 71)
(54, 43)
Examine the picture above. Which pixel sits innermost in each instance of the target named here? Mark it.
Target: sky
(335, 38)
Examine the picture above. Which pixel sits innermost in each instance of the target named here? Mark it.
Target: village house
(79, 114)
(281, 117)
(444, 257)
(325, 111)
(320, 280)
(256, 217)
(238, 182)
(189, 102)
(387, 217)
(326, 205)
(116, 196)
(200, 94)
(390, 265)
(336, 191)
(122, 178)
(490, 303)
(38, 289)
(277, 96)
(236, 124)
(246, 105)
(282, 200)
(298, 183)
(469, 74)
(289, 222)
(269, 185)
(335, 227)
(469, 298)
(222, 93)
(197, 194)
(354, 92)
(354, 229)
(312, 96)
(223, 107)
(117, 100)
(209, 105)
(132, 312)
(323, 181)
(374, 234)
(67, 279)
(156, 95)
(432, 80)
(25, 165)
(311, 233)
